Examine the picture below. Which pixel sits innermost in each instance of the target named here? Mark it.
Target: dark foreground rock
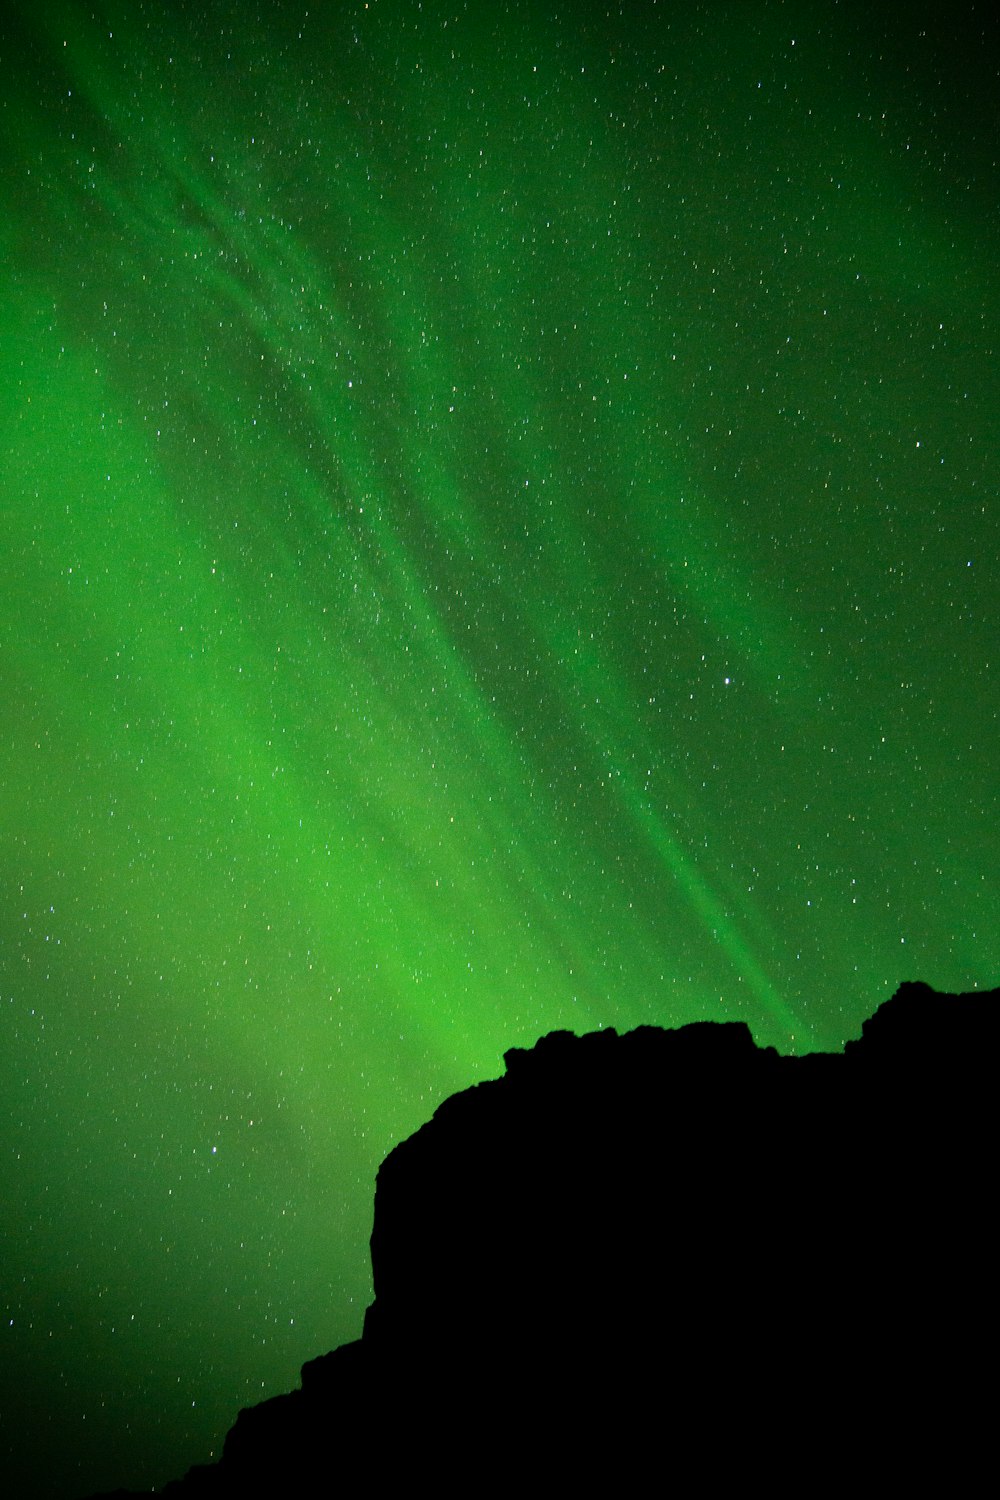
(671, 1260)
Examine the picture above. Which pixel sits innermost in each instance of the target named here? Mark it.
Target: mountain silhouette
(671, 1259)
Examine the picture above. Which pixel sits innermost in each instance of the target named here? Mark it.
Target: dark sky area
(497, 532)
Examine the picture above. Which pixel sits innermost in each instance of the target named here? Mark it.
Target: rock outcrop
(671, 1258)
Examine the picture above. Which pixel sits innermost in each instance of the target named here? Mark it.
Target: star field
(499, 534)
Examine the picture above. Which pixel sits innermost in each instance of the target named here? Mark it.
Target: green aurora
(497, 534)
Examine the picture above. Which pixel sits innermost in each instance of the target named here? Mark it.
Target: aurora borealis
(498, 534)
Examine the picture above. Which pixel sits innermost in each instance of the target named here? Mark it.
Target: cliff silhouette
(671, 1258)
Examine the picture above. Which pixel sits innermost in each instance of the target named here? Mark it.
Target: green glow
(496, 537)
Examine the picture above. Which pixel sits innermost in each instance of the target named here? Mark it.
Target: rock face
(671, 1258)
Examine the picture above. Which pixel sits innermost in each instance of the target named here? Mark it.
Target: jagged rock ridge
(670, 1253)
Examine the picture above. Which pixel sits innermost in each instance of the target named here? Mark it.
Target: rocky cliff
(671, 1257)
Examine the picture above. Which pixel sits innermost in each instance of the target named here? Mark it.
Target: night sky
(498, 533)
